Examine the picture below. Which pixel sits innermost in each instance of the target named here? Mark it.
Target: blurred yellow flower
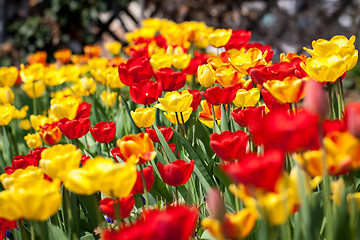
(7, 112)
(59, 160)
(181, 61)
(246, 98)
(84, 86)
(8, 76)
(32, 72)
(242, 60)
(24, 124)
(33, 89)
(109, 98)
(33, 140)
(161, 60)
(38, 120)
(114, 47)
(143, 117)
(53, 77)
(20, 114)
(289, 90)
(65, 107)
(220, 37)
(6, 95)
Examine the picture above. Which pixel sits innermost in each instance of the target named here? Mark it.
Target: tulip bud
(351, 119)
(205, 75)
(315, 99)
(216, 204)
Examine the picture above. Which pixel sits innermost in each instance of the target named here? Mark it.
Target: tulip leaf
(199, 162)
(98, 105)
(55, 233)
(224, 120)
(136, 130)
(165, 145)
(90, 207)
(159, 189)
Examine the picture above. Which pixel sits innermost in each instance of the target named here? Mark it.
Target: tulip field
(187, 132)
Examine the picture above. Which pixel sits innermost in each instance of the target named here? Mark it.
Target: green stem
(117, 209)
(342, 92)
(32, 230)
(4, 150)
(330, 101)
(178, 122)
(339, 100)
(213, 114)
(108, 150)
(145, 187)
(183, 124)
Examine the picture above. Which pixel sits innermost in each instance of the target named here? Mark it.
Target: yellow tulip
(38, 120)
(33, 140)
(227, 75)
(70, 72)
(171, 116)
(325, 69)
(20, 114)
(246, 98)
(175, 101)
(112, 78)
(161, 60)
(205, 75)
(84, 86)
(7, 113)
(24, 124)
(33, 89)
(242, 60)
(59, 160)
(338, 191)
(181, 61)
(354, 198)
(109, 98)
(6, 95)
(8, 76)
(31, 73)
(143, 117)
(8, 209)
(233, 226)
(206, 116)
(65, 107)
(53, 77)
(21, 175)
(290, 90)
(114, 47)
(220, 37)
(97, 63)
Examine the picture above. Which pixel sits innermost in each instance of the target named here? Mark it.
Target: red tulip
(316, 99)
(166, 132)
(271, 103)
(135, 70)
(238, 39)
(74, 128)
(84, 159)
(83, 110)
(23, 161)
(125, 205)
(116, 153)
(196, 99)
(175, 223)
(171, 80)
(249, 116)
(229, 145)
(352, 117)
(149, 179)
(145, 92)
(329, 126)
(176, 173)
(6, 225)
(50, 133)
(216, 95)
(257, 171)
(289, 132)
(103, 132)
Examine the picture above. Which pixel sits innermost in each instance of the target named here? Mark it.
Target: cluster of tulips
(168, 141)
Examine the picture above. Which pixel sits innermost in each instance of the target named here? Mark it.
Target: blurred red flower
(176, 173)
(74, 128)
(249, 116)
(107, 206)
(83, 110)
(149, 179)
(166, 132)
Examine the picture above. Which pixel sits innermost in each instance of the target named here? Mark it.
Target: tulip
(161, 60)
(149, 180)
(176, 173)
(103, 132)
(176, 118)
(33, 89)
(8, 76)
(114, 47)
(84, 86)
(227, 75)
(20, 114)
(32, 73)
(83, 110)
(38, 120)
(171, 80)
(6, 225)
(92, 51)
(220, 37)
(33, 140)
(143, 117)
(289, 90)
(59, 160)
(248, 117)
(336, 125)
(53, 77)
(24, 124)
(107, 206)
(145, 92)
(260, 172)
(217, 95)
(272, 103)
(244, 60)
(178, 223)
(74, 128)
(109, 98)
(316, 99)
(135, 70)
(351, 118)
(166, 132)
(181, 61)
(205, 75)
(65, 107)
(22, 162)
(238, 39)
(198, 60)
(139, 145)
(6, 95)
(63, 55)
(206, 116)
(196, 99)
(175, 102)
(247, 98)
(228, 145)
(50, 133)
(7, 113)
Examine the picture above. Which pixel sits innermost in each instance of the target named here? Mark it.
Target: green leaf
(135, 128)
(55, 233)
(224, 120)
(165, 145)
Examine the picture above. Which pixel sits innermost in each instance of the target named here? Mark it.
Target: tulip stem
(9, 139)
(107, 148)
(213, 113)
(145, 187)
(177, 195)
(32, 230)
(117, 209)
(339, 99)
(342, 92)
(183, 124)
(329, 88)
(178, 122)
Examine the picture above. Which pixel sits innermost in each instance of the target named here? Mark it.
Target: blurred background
(287, 25)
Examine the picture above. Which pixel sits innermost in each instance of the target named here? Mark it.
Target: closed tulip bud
(7, 113)
(74, 128)
(206, 75)
(109, 98)
(50, 133)
(316, 100)
(220, 37)
(103, 132)
(176, 173)
(247, 98)
(143, 117)
(181, 61)
(65, 107)
(24, 124)
(33, 140)
(351, 119)
(8, 76)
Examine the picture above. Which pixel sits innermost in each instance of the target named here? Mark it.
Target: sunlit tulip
(289, 90)
(220, 37)
(7, 113)
(181, 61)
(38, 120)
(33, 140)
(247, 98)
(161, 60)
(103, 132)
(206, 116)
(205, 75)
(65, 107)
(6, 95)
(32, 73)
(33, 89)
(53, 77)
(114, 47)
(50, 133)
(24, 124)
(166, 132)
(143, 117)
(63, 55)
(175, 102)
(8, 76)
(176, 173)
(37, 57)
(108, 98)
